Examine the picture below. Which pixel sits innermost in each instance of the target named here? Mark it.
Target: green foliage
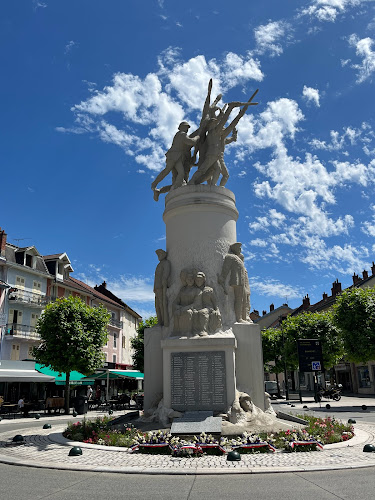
(137, 342)
(354, 314)
(272, 344)
(99, 431)
(72, 336)
(312, 326)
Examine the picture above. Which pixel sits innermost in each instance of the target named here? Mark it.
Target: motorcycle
(330, 393)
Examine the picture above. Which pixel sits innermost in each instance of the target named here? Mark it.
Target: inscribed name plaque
(198, 381)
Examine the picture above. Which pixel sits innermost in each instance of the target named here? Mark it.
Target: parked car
(270, 386)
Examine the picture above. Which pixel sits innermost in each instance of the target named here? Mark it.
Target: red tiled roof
(87, 288)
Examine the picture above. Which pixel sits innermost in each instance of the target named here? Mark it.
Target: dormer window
(29, 260)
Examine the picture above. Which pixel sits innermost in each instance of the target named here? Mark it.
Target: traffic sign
(310, 355)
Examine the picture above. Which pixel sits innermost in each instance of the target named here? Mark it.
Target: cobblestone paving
(40, 451)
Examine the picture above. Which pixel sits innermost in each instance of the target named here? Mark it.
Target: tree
(354, 315)
(312, 326)
(72, 337)
(137, 342)
(272, 350)
(272, 344)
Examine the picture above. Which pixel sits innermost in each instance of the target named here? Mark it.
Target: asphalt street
(23, 483)
(26, 483)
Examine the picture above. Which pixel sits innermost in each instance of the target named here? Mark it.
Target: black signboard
(310, 355)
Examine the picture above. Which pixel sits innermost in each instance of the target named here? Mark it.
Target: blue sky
(93, 91)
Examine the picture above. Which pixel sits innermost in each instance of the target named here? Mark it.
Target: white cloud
(368, 227)
(363, 50)
(131, 289)
(153, 106)
(349, 136)
(268, 37)
(273, 288)
(69, 46)
(258, 243)
(328, 10)
(311, 95)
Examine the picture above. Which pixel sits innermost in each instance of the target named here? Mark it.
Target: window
(114, 340)
(30, 353)
(34, 319)
(123, 342)
(37, 287)
(15, 354)
(363, 376)
(14, 316)
(114, 358)
(20, 282)
(29, 260)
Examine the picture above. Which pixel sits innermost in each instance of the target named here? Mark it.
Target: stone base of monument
(196, 422)
(249, 362)
(199, 373)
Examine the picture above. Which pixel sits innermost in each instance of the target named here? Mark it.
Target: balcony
(26, 332)
(28, 298)
(116, 323)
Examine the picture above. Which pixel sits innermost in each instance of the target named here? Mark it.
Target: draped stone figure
(195, 309)
(161, 283)
(234, 266)
(183, 305)
(207, 316)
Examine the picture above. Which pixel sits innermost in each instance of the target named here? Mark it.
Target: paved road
(23, 483)
(26, 483)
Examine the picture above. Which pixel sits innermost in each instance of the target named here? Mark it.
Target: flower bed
(317, 433)
(99, 431)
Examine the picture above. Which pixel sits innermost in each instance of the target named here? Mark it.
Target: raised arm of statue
(231, 127)
(206, 105)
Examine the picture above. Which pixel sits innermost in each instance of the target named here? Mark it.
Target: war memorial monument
(204, 357)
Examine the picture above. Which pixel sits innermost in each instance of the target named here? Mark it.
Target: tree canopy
(312, 326)
(137, 342)
(354, 315)
(272, 344)
(304, 326)
(72, 337)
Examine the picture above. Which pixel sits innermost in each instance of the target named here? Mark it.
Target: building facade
(29, 281)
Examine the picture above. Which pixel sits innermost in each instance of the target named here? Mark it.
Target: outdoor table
(10, 408)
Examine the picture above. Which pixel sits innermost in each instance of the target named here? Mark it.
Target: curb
(56, 437)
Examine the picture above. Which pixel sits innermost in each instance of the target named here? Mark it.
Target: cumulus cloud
(69, 46)
(368, 227)
(311, 95)
(349, 136)
(328, 10)
(153, 106)
(131, 289)
(363, 48)
(268, 37)
(274, 288)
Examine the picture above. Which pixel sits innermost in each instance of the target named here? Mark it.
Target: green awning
(116, 374)
(76, 378)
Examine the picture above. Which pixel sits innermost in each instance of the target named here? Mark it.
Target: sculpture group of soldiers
(209, 142)
(195, 309)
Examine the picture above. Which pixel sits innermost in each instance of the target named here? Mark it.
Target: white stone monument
(205, 353)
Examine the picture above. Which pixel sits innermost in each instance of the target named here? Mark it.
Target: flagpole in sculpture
(205, 354)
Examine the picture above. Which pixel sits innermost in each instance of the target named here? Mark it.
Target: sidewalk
(47, 448)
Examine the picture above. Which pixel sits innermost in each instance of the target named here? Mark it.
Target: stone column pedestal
(200, 226)
(249, 362)
(199, 373)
